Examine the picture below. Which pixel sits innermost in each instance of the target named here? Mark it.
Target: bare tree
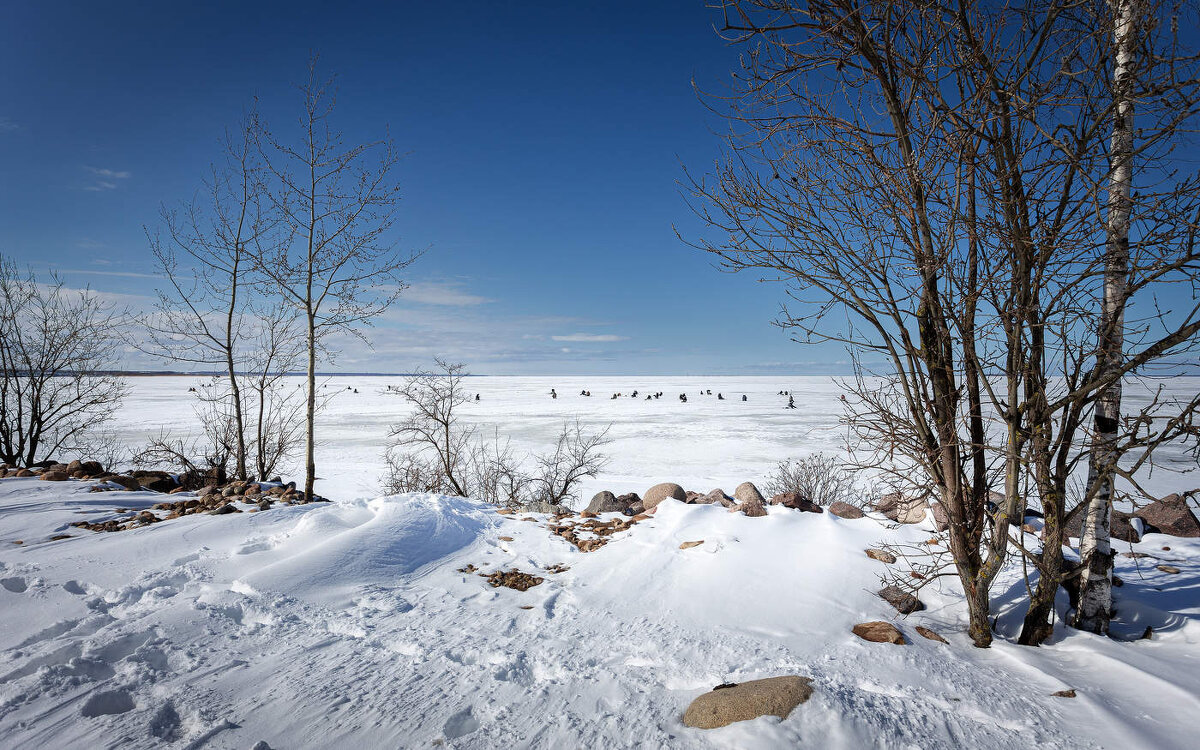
(56, 346)
(924, 177)
(206, 258)
(339, 267)
(435, 450)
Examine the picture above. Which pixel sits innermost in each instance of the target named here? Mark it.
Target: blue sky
(545, 141)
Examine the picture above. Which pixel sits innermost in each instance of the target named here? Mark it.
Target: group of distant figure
(791, 404)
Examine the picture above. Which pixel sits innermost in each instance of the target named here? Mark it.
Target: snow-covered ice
(349, 624)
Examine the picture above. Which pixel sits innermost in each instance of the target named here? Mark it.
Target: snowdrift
(353, 624)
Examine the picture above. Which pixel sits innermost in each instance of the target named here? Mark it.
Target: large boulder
(54, 475)
(605, 502)
(879, 632)
(774, 696)
(660, 492)
(845, 510)
(1170, 515)
(125, 481)
(904, 602)
(747, 492)
(902, 507)
(796, 501)
(1120, 527)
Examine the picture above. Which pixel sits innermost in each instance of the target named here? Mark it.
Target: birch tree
(1095, 549)
(201, 317)
(339, 266)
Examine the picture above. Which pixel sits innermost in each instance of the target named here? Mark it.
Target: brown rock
(796, 501)
(774, 696)
(660, 492)
(903, 508)
(879, 632)
(1120, 528)
(881, 556)
(23, 473)
(53, 475)
(1064, 694)
(904, 602)
(689, 545)
(125, 481)
(845, 510)
(747, 492)
(719, 496)
(941, 519)
(1168, 569)
(505, 538)
(927, 633)
(606, 502)
(752, 508)
(1170, 515)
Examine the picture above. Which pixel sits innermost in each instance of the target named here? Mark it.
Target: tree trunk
(310, 461)
(1095, 603)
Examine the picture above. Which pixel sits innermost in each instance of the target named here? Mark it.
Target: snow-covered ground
(349, 624)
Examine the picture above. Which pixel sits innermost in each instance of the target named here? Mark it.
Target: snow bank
(352, 624)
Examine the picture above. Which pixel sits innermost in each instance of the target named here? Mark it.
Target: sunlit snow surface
(349, 625)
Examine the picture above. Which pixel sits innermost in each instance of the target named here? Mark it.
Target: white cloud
(438, 293)
(7, 125)
(106, 179)
(591, 338)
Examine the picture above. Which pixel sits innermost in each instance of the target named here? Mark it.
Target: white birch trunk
(1095, 599)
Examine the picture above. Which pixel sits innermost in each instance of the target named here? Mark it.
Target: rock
(660, 492)
(753, 508)
(719, 496)
(902, 508)
(845, 510)
(92, 468)
(75, 465)
(879, 632)
(941, 519)
(927, 633)
(881, 556)
(904, 602)
(774, 696)
(605, 502)
(747, 492)
(125, 481)
(689, 545)
(635, 507)
(53, 475)
(1170, 515)
(156, 484)
(224, 509)
(1168, 569)
(1120, 528)
(23, 473)
(796, 501)
(1063, 694)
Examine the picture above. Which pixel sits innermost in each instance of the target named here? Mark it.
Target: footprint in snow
(460, 724)
(107, 703)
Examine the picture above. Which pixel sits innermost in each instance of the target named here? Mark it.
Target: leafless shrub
(821, 479)
(435, 452)
(576, 455)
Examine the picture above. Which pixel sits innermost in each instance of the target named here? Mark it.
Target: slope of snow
(350, 625)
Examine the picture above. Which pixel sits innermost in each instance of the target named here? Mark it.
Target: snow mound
(336, 549)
